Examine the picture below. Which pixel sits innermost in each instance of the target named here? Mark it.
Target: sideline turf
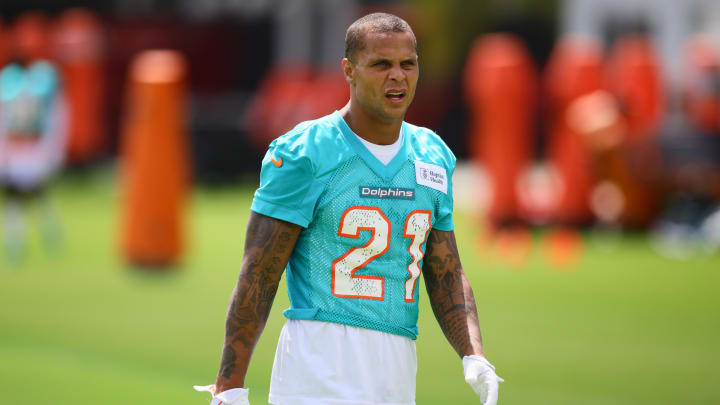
(625, 327)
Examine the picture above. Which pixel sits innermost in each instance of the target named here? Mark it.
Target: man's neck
(371, 130)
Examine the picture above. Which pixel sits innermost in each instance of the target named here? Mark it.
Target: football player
(354, 206)
(32, 135)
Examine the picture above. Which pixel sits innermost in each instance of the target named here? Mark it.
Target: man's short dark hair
(377, 23)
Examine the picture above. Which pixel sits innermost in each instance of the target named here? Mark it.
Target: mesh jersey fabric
(358, 260)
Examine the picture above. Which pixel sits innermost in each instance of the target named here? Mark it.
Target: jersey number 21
(347, 284)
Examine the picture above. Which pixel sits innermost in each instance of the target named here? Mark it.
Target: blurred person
(690, 145)
(32, 134)
(354, 302)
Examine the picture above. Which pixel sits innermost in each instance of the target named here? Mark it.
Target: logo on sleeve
(277, 163)
(432, 176)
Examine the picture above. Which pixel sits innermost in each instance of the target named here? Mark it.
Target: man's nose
(397, 73)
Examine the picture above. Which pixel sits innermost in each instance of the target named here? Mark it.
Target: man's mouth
(395, 96)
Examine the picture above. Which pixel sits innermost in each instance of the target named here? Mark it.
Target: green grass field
(624, 327)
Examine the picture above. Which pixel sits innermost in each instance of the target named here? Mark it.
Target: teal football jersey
(358, 259)
(26, 96)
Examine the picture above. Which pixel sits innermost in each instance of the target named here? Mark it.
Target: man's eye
(383, 63)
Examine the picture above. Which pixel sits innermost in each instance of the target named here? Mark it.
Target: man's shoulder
(10, 76)
(41, 76)
(428, 146)
(11, 68)
(309, 138)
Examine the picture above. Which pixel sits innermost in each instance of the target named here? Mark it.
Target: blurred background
(587, 190)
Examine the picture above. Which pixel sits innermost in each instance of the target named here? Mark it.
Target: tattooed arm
(451, 296)
(268, 245)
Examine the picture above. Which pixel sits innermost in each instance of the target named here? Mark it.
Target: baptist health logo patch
(394, 193)
(431, 175)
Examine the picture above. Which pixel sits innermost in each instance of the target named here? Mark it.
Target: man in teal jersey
(354, 205)
(32, 144)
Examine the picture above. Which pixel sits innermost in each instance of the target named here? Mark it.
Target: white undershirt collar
(384, 153)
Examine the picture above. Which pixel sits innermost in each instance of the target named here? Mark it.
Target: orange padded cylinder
(277, 104)
(4, 45)
(155, 160)
(500, 83)
(634, 78)
(79, 51)
(292, 94)
(30, 36)
(575, 70)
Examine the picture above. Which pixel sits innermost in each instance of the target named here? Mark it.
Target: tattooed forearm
(451, 296)
(228, 361)
(268, 245)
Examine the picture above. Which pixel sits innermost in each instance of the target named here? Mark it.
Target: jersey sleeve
(286, 181)
(444, 220)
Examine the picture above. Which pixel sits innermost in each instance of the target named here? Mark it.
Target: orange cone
(155, 160)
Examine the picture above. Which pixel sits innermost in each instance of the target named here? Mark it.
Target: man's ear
(348, 70)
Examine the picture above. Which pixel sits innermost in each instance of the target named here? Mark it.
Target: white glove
(235, 396)
(480, 374)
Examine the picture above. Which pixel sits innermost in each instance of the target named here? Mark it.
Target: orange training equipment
(634, 78)
(30, 36)
(291, 94)
(155, 160)
(4, 45)
(79, 51)
(501, 85)
(575, 70)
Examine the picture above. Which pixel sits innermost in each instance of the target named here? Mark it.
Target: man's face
(384, 74)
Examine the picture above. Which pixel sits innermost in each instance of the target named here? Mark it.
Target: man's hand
(235, 396)
(480, 374)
